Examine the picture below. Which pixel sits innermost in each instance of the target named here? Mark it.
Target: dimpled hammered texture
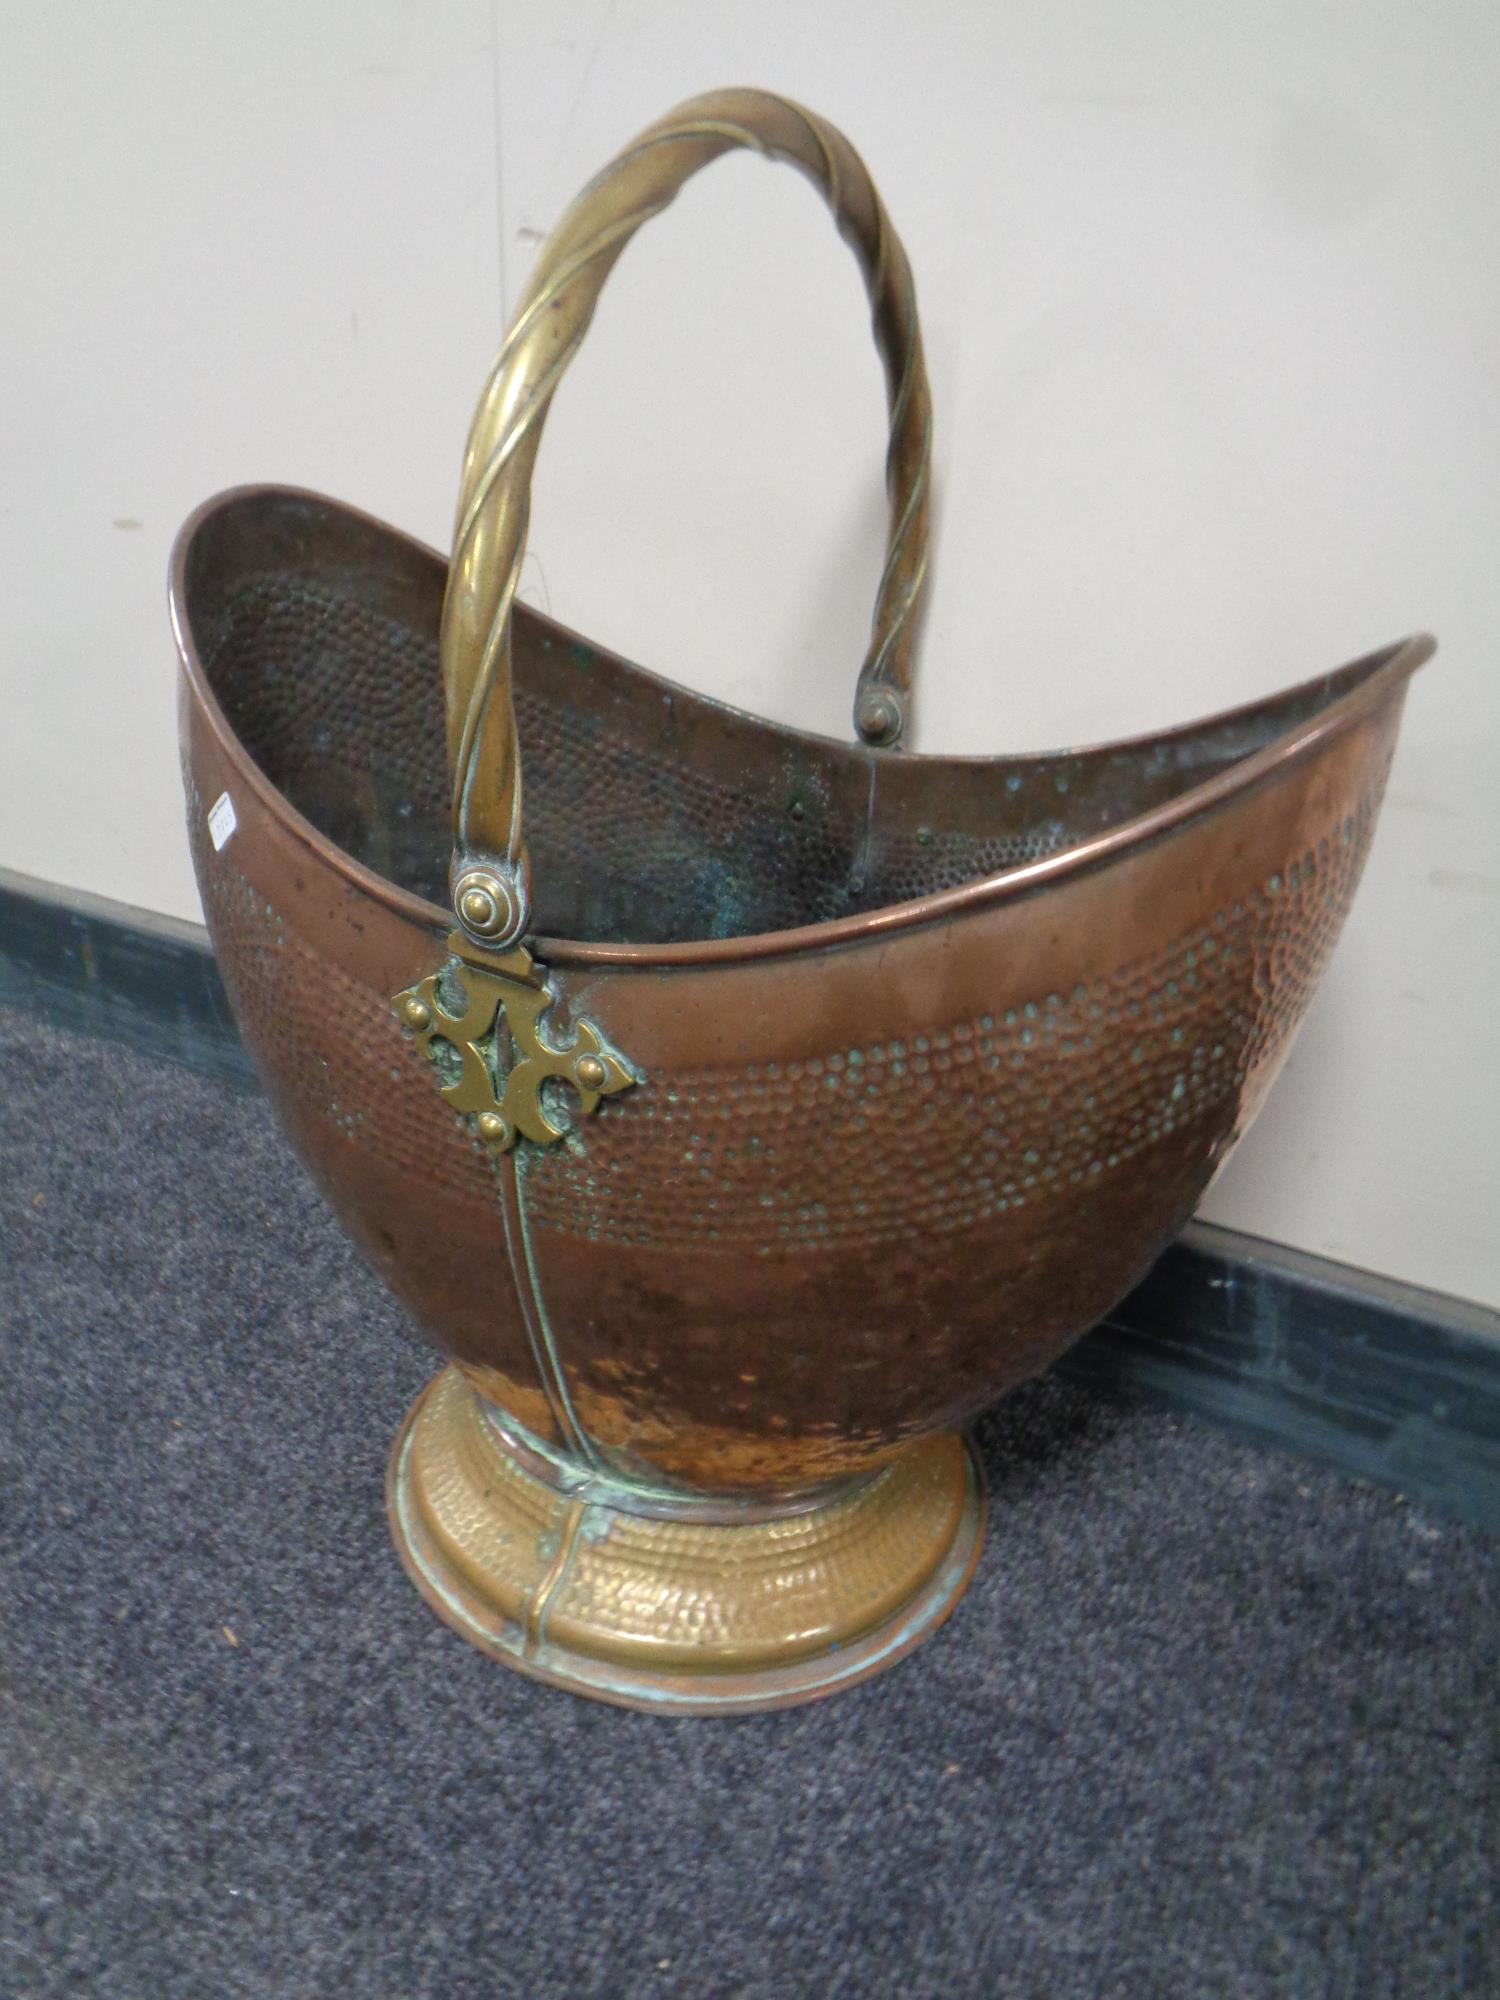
(868, 1176)
(285, 992)
(627, 1605)
(776, 1104)
(994, 1113)
(312, 667)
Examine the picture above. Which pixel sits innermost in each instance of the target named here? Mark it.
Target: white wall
(1212, 304)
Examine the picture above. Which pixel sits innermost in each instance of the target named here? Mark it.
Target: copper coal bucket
(826, 1091)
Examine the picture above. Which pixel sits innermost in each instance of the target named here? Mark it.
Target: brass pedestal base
(662, 1609)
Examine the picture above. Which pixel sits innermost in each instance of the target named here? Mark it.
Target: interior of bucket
(652, 814)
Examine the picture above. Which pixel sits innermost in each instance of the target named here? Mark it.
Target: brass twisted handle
(490, 879)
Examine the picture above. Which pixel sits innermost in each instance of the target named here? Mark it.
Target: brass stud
(486, 904)
(493, 1128)
(416, 1013)
(878, 716)
(591, 1073)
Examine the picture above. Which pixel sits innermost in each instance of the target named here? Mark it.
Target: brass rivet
(879, 717)
(492, 1127)
(486, 904)
(416, 1013)
(591, 1073)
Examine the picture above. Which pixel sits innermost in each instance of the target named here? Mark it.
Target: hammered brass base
(673, 1614)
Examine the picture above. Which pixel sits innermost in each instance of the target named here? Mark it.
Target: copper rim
(1011, 884)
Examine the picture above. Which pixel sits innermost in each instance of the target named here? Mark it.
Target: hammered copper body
(934, 1054)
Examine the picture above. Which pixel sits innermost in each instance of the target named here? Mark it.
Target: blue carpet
(1210, 1722)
